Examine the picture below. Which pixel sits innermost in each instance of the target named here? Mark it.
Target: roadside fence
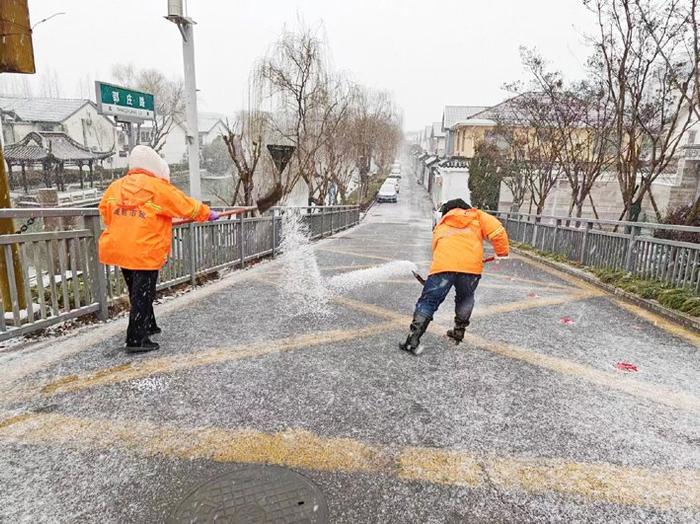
(609, 244)
(54, 275)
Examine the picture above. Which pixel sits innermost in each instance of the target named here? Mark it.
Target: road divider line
(155, 366)
(648, 391)
(354, 254)
(537, 283)
(657, 320)
(299, 448)
(660, 322)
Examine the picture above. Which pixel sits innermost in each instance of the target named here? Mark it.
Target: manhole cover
(254, 495)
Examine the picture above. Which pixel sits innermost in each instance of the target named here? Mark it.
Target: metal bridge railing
(609, 244)
(61, 277)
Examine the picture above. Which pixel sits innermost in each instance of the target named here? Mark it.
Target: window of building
(691, 136)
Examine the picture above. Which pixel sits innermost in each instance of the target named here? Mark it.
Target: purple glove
(213, 215)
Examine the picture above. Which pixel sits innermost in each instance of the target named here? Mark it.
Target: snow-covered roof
(437, 130)
(455, 162)
(42, 109)
(474, 122)
(453, 114)
(36, 147)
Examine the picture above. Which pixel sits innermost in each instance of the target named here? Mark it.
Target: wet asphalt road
(527, 421)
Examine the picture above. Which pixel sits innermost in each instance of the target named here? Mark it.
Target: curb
(674, 316)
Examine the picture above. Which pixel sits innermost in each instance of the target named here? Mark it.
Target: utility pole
(16, 56)
(176, 14)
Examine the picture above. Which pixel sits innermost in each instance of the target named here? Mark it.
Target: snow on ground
(363, 277)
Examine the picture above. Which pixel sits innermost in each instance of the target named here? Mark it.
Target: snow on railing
(52, 275)
(609, 244)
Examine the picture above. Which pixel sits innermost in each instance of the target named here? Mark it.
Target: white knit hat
(144, 157)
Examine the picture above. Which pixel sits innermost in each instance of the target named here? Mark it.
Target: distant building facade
(77, 118)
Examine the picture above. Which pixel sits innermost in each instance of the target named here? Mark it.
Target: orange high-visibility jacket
(458, 241)
(137, 211)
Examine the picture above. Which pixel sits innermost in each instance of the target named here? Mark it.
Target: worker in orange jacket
(458, 253)
(137, 211)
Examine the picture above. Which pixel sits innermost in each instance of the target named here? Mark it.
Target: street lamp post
(176, 14)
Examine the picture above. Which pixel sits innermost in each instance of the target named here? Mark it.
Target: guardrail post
(629, 257)
(241, 239)
(332, 214)
(99, 280)
(192, 255)
(274, 232)
(584, 243)
(533, 241)
(557, 225)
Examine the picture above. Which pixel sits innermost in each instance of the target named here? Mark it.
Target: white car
(397, 181)
(387, 193)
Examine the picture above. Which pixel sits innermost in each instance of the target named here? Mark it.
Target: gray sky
(427, 54)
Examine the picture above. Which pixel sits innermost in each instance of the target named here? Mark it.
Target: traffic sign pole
(178, 16)
(191, 108)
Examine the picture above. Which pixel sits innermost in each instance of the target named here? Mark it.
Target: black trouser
(142, 293)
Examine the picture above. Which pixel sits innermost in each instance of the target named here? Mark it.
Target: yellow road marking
(531, 303)
(657, 320)
(145, 368)
(661, 322)
(537, 283)
(354, 254)
(483, 285)
(440, 466)
(561, 275)
(648, 391)
(660, 489)
(483, 311)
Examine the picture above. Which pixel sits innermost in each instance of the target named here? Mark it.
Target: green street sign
(125, 104)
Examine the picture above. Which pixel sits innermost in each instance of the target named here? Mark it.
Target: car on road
(387, 193)
(396, 179)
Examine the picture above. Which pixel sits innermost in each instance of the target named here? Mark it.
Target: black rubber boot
(143, 347)
(418, 327)
(457, 332)
(154, 330)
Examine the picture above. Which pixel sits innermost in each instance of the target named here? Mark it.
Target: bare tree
(581, 116)
(527, 126)
(685, 14)
(375, 133)
(296, 77)
(328, 119)
(652, 91)
(169, 98)
(50, 84)
(244, 142)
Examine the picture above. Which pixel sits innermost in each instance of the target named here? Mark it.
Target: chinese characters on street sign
(125, 104)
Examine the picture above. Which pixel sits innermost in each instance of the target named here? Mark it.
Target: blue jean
(437, 287)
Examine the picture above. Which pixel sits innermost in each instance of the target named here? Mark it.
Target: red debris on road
(532, 295)
(567, 321)
(626, 367)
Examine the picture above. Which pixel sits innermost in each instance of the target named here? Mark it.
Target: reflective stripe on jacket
(137, 211)
(458, 241)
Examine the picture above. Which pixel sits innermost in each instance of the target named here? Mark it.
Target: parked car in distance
(397, 181)
(387, 193)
